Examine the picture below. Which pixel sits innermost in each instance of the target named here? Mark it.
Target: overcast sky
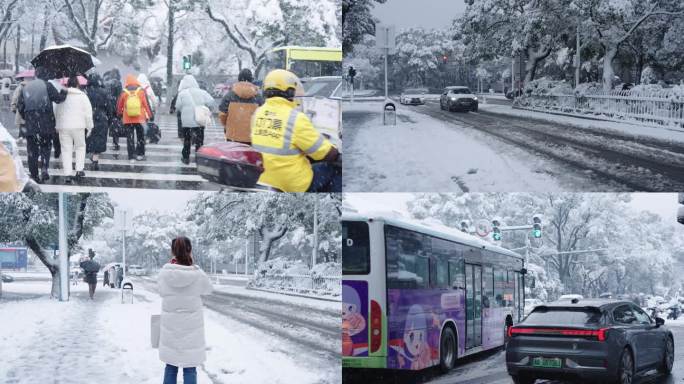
(663, 204)
(419, 13)
(139, 200)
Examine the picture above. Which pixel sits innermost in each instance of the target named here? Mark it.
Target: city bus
(418, 295)
(307, 61)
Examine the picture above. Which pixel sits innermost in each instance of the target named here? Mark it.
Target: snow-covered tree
(357, 22)
(33, 219)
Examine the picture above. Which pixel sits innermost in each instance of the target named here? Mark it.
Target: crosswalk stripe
(133, 175)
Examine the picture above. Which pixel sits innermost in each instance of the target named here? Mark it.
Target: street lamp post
(577, 58)
(314, 254)
(63, 250)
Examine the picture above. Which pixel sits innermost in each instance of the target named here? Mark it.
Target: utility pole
(124, 246)
(577, 58)
(246, 254)
(314, 254)
(63, 250)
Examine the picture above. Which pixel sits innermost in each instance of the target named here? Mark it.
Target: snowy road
(489, 368)
(645, 164)
(250, 336)
(422, 153)
(162, 169)
(434, 150)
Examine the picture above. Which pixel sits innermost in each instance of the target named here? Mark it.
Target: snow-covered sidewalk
(422, 154)
(105, 341)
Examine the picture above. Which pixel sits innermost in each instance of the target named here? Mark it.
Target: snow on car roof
(456, 87)
(430, 228)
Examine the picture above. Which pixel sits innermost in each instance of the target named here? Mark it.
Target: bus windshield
(355, 248)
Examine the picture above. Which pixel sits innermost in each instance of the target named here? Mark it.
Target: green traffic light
(497, 236)
(537, 233)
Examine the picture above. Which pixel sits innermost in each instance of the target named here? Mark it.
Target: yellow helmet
(283, 83)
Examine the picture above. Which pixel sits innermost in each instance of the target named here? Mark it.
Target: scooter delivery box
(230, 163)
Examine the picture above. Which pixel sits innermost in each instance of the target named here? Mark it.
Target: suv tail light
(375, 326)
(599, 334)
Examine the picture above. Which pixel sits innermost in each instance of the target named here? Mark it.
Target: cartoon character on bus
(416, 352)
(353, 322)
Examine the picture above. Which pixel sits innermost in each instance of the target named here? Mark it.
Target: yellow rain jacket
(285, 137)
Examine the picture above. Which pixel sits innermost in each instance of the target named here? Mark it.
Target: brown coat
(237, 109)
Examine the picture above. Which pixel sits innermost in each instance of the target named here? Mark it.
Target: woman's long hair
(181, 248)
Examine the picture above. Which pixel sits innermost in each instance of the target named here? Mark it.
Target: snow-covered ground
(105, 341)
(421, 153)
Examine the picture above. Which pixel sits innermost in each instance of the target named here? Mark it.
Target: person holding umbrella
(112, 79)
(133, 107)
(34, 105)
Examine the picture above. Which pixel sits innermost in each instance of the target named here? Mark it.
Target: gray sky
(136, 201)
(663, 204)
(419, 13)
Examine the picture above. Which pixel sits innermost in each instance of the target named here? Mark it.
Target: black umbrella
(60, 61)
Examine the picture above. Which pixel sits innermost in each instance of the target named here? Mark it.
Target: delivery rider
(287, 139)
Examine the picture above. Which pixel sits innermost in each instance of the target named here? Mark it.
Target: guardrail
(654, 108)
(330, 286)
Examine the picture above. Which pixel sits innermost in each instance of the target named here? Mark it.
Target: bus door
(473, 305)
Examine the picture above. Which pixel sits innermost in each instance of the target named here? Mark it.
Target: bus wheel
(447, 355)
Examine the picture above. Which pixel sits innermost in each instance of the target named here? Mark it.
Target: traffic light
(445, 59)
(536, 226)
(187, 62)
(465, 226)
(680, 211)
(496, 231)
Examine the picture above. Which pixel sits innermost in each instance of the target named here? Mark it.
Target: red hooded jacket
(132, 84)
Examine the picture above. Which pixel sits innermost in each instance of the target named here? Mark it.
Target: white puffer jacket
(181, 336)
(75, 112)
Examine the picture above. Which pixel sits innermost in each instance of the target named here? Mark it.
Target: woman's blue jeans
(171, 374)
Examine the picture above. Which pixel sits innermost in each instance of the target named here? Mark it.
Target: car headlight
(475, 98)
(453, 99)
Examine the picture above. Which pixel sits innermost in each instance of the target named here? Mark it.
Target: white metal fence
(656, 108)
(330, 286)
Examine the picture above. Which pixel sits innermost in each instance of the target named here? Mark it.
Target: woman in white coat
(74, 121)
(181, 336)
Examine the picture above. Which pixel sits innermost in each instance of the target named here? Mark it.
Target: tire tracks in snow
(647, 165)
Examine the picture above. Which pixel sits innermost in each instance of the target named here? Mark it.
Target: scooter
(236, 165)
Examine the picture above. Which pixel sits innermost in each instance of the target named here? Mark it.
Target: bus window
(499, 287)
(355, 248)
(439, 268)
(488, 288)
(407, 259)
(456, 273)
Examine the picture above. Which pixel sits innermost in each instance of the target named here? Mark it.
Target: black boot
(44, 176)
(95, 166)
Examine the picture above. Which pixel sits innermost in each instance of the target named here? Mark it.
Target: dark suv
(607, 340)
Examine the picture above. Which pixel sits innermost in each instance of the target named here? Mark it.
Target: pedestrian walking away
(192, 98)
(135, 111)
(102, 117)
(181, 337)
(18, 120)
(112, 79)
(35, 107)
(74, 121)
(238, 106)
(6, 90)
(90, 269)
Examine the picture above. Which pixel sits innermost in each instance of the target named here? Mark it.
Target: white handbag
(154, 330)
(202, 113)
